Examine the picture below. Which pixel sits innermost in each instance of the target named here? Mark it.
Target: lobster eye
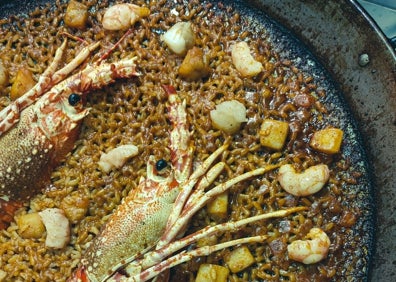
(74, 99)
(161, 164)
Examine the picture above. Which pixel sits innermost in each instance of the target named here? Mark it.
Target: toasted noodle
(134, 111)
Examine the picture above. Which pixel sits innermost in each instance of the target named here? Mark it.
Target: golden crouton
(212, 273)
(30, 226)
(239, 259)
(217, 209)
(273, 133)
(22, 83)
(194, 65)
(76, 15)
(327, 140)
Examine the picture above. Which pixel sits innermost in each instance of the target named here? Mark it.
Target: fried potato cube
(76, 15)
(75, 206)
(194, 65)
(22, 83)
(273, 133)
(217, 209)
(212, 273)
(3, 76)
(239, 259)
(327, 140)
(30, 226)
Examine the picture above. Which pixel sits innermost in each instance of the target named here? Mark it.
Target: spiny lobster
(139, 237)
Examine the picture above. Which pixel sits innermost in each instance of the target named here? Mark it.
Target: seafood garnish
(38, 129)
(312, 250)
(122, 16)
(305, 183)
(244, 61)
(139, 237)
(116, 157)
(179, 38)
(57, 226)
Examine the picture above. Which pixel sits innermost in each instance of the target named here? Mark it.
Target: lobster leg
(198, 199)
(9, 116)
(155, 262)
(192, 198)
(73, 64)
(185, 193)
(189, 255)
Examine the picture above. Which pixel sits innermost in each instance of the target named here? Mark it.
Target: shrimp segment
(123, 16)
(312, 250)
(303, 184)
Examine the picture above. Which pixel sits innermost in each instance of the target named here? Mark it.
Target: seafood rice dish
(190, 85)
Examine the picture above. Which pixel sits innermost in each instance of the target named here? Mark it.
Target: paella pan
(291, 87)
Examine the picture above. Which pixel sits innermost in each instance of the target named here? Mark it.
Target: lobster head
(59, 115)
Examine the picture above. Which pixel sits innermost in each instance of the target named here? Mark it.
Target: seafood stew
(290, 88)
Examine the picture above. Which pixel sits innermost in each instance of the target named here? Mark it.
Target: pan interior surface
(351, 255)
(291, 48)
(339, 33)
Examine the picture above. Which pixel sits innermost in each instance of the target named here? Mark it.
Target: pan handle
(383, 13)
(393, 42)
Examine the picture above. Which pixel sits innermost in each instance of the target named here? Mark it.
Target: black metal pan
(335, 35)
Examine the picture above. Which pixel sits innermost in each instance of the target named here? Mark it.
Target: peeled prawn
(244, 61)
(303, 184)
(312, 250)
(123, 16)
